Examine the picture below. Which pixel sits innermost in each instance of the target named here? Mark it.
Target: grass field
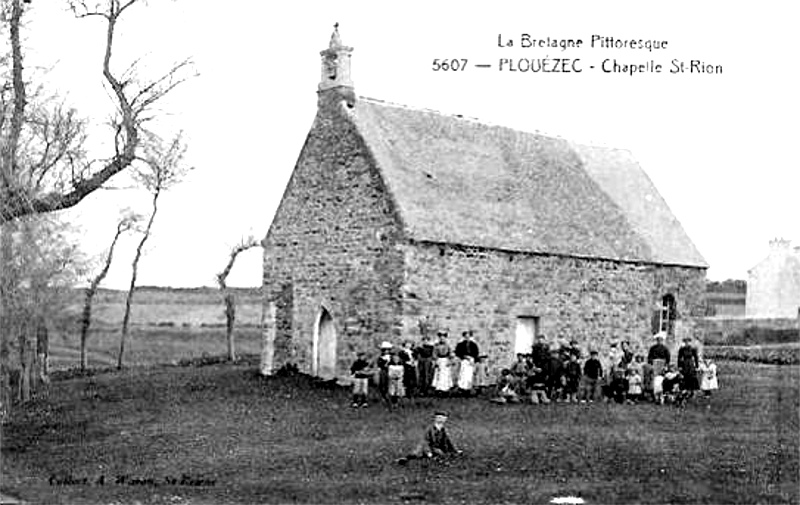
(162, 307)
(227, 435)
(168, 325)
(148, 345)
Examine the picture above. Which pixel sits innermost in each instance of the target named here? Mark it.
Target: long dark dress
(383, 375)
(409, 372)
(687, 364)
(424, 368)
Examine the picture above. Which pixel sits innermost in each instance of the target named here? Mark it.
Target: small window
(668, 315)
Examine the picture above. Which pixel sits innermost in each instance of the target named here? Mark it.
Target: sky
(720, 147)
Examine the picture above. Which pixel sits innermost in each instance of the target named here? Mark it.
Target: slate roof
(459, 181)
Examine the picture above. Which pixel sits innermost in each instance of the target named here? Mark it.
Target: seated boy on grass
(436, 443)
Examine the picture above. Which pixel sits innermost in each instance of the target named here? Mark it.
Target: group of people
(548, 373)
(557, 373)
(429, 368)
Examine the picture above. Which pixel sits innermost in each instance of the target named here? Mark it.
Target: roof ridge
(472, 119)
(424, 109)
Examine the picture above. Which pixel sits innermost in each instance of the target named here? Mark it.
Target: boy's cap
(386, 345)
(441, 413)
(593, 351)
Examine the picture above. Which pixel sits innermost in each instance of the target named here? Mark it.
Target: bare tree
(161, 168)
(44, 165)
(45, 261)
(61, 176)
(228, 296)
(126, 223)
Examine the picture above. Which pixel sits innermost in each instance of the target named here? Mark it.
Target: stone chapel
(400, 221)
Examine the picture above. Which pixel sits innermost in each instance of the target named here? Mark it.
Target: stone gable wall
(594, 301)
(332, 244)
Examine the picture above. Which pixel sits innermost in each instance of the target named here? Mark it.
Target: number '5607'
(454, 64)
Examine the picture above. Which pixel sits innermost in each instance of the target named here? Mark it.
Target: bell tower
(336, 67)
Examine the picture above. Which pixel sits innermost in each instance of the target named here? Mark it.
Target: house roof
(459, 181)
(782, 258)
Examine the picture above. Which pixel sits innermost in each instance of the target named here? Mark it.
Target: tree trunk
(8, 181)
(6, 326)
(26, 368)
(230, 320)
(135, 270)
(228, 297)
(42, 350)
(86, 319)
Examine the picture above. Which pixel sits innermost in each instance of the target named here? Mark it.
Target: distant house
(773, 285)
(398, 221)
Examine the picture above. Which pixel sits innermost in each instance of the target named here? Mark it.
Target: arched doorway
(325, 346)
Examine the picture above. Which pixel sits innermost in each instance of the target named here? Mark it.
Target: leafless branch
(38, 189)
(243, 245)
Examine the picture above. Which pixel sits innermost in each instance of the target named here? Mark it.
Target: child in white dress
(708, 377)
(634, 386)
(481, 379)
(658, 389)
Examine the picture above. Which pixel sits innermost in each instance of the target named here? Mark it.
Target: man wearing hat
(658, 356)
(540, 352)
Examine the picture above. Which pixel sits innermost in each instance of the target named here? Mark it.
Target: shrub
(773, 355)
(753, 335)
(757, 335)
(287, 370)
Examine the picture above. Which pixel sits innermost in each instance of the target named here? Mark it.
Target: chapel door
(325, 355)
(527, 329)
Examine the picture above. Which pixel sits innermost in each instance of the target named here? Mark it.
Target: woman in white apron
(442, 377)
